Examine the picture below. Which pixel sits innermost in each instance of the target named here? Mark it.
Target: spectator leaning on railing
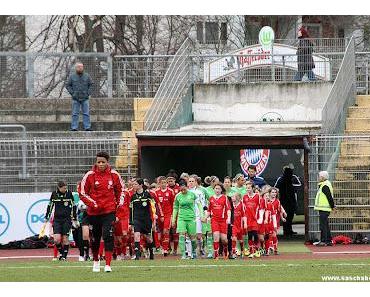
(79, 85)
(304, 56)
(324, 204)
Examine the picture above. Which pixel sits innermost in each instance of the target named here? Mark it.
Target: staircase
(106, 114)
(358, 120)
(141, 106)
(352, 178)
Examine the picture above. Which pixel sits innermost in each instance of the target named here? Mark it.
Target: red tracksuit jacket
(101, 191)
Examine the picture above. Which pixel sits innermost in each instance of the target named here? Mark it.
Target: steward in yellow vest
(324, 197)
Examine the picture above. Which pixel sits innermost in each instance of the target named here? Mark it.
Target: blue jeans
(76, 106)
(299, 75)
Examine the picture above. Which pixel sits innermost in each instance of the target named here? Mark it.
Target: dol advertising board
(21, 214)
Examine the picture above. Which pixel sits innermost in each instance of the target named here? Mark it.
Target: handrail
(24, 147)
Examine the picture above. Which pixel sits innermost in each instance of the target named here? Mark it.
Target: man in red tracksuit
(101, 190)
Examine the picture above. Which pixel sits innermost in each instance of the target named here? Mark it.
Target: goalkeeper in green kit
(184, 217)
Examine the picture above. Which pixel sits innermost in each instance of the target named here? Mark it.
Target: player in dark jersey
(142, 215)
(62, 203)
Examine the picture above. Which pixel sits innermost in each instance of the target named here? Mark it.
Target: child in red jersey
(261, 218)
(280, 215)
(171, 183)
(239, 226)
(269, 221)
(219, 210)
(251, 202)
(165, 197)
(122, 225)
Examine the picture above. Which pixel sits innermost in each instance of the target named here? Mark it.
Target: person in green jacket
(324, 204)
(184, 217)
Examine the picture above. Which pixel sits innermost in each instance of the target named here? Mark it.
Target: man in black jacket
(288, 183)
(62, 203)
(79, 85)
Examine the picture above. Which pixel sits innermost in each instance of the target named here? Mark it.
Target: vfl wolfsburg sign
(266, 37)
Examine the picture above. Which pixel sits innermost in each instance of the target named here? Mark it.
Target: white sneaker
(119, 258)
(107, 268)
(81, 259)
(54, 259)
(96, 266)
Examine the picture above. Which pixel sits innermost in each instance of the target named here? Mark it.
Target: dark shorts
(85, 220)
(144, 227)
(62, 227)
(252, 235)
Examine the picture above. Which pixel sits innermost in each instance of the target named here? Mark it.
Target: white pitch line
(188, 266)
(33, 257)
(344, 252)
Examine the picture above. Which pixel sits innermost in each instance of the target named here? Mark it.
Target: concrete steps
(354, 161)
(107, 114)
(141, 106)
(355, 147)
(358, 123)
(358, 112)
(363, 100)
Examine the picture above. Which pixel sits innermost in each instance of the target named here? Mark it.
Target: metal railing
(139, 76)
(43, 75)
(264, 67)
(173, 87)
(52, 159)
(232, 44)
(342, 94)
(362, 73)
(350, 176)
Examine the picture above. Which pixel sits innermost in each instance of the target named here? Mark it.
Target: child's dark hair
(103, 155)
(61, 184)
(141, 182)
(223, 191)
(252, 167)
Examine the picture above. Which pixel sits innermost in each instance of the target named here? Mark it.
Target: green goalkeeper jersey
(184, 206)
(231, 191)
(242, 190)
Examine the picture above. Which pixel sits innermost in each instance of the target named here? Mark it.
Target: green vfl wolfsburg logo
(266, 36)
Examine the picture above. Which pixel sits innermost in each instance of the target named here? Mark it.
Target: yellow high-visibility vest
(321, 201)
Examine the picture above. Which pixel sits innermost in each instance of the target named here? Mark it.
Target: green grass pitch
(167, 270)
(185, 270)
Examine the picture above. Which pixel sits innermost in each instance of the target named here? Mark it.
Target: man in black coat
(287, 185)
(304, 56)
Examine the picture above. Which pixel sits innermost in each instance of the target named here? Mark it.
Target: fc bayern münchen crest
(257, 157)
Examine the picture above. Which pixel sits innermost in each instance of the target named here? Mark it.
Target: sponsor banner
(285, 57)
(21, 214)
(257, 157)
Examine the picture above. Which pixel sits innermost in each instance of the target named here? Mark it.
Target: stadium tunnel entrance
(222, 156)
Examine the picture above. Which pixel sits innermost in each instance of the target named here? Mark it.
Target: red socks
(275, 242)
(124, 245)
(252, 248)
(165, 241)
(156, 240)
(233, 245)
(55, 251)
(216, 246)
(225, 249)
(175, 241)
(101, 248)
(108, 257)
